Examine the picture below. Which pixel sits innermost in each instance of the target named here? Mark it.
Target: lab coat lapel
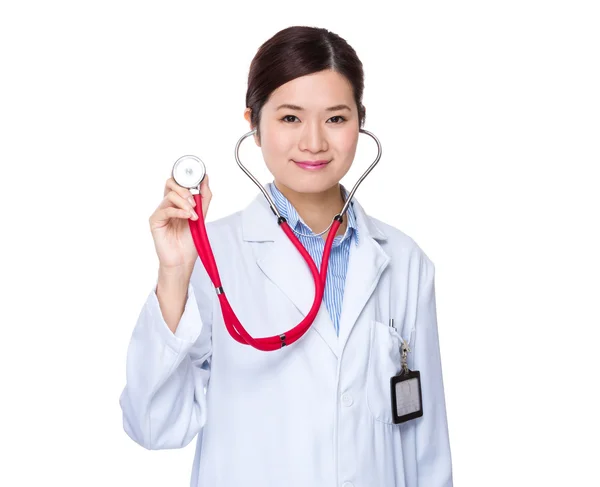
(281, 262)
(367, 261)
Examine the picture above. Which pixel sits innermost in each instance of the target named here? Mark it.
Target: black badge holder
(407, 399)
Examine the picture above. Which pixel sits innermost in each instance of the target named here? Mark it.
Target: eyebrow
(330, 109)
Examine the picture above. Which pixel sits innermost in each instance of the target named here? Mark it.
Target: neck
(317, 209)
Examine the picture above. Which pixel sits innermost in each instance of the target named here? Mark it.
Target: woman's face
(320, 123)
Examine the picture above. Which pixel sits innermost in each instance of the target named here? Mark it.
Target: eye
(342, 119)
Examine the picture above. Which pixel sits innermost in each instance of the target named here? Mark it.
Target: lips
(312, 163)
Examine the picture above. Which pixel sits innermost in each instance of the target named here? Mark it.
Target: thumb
(204, 186)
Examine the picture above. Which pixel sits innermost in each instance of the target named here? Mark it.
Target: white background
(488, 115)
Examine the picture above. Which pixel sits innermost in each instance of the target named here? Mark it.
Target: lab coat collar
(284, 266)
(259, 223)
(294, 220)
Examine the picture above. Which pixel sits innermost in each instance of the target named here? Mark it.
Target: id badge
(407, 400)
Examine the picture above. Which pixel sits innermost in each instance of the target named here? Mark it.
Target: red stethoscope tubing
(233, 325)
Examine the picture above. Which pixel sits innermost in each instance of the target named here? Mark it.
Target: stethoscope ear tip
(188, 171)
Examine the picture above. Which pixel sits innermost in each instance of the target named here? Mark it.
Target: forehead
(313, 91)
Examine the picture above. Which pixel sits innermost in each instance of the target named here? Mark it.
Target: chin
(313, 184)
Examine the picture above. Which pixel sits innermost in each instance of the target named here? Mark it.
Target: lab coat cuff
(189, 327)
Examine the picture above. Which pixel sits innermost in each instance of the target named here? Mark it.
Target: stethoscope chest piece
(189, 171)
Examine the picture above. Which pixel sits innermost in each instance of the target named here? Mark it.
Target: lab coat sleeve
(434, 464)
(164, 402)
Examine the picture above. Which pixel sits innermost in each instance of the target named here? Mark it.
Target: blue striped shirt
(315, 245)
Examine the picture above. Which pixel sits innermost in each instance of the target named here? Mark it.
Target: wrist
(175, 277)
(176, 271)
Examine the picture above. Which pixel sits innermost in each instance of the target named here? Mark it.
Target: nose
(313, 138)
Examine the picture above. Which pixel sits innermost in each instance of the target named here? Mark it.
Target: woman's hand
(170, 227)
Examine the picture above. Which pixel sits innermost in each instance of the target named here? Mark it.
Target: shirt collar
(287, 210)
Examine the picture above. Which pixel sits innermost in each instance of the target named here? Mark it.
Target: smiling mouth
(312, 163)
(311, 166)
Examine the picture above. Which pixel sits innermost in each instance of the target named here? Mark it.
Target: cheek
(344, 138)
(346, 145)
(275, 153)
(274, 142)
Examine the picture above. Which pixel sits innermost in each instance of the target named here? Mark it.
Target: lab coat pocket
(384, 363)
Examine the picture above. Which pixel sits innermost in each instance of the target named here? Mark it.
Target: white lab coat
(316, 413)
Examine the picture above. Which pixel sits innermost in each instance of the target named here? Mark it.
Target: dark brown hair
(297, 51)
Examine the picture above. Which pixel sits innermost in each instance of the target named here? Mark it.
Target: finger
(165, 214)
(174, 199)
(185, 193)
(205, 187)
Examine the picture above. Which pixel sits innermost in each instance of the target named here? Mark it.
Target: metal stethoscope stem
(188, 172)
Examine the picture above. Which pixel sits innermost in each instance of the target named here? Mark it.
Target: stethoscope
(188, 172)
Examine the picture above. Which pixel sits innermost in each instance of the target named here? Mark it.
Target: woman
(318, 412)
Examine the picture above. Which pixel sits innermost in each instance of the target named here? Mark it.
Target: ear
(247, 116)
